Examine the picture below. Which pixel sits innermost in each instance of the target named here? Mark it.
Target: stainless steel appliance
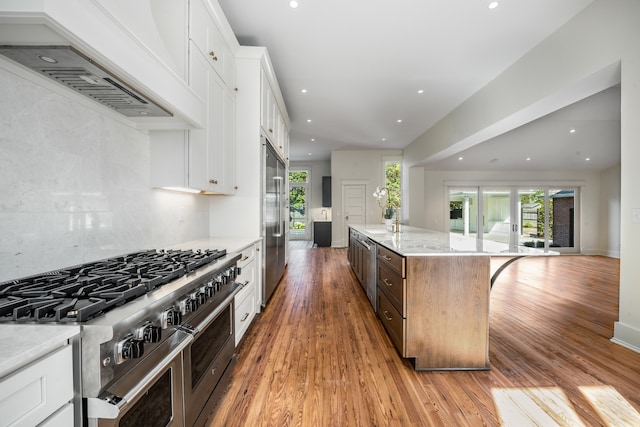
(156, 345)
(274, 219)
(67, 66)
(368, 278)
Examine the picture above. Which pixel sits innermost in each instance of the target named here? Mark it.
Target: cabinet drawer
(392, 284)
(247, 278)
(248, 255)
(36, 391)
(392, 321)
(391, 258)
(245, 311)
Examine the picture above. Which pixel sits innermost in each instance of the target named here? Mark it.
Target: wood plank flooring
(318, 356)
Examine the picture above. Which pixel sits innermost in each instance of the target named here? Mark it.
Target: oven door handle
(100, 408)
(195, 331)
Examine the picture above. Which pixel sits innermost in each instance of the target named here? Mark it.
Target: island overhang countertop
(414, 241)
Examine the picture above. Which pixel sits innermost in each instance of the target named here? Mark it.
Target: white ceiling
(362, 63)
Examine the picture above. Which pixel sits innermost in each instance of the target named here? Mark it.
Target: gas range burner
(80, 293)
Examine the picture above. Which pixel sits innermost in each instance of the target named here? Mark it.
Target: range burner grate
(80, 293)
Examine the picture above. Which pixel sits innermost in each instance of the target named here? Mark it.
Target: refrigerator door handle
(278, 182)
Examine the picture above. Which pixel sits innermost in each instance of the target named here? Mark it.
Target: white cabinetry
(202, 159)
(39, 392)
(246, 301)
(242, 215)
(272, 120)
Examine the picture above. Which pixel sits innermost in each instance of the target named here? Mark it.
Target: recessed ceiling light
(384, 139)
(293, 4)
(309, 153)
(308, 120)
(572, 131)
(399, 120)
(313, 140)
(303, 91)
(492, 5)
(587, 159)
(528, 158)
(421, 91)
(460, 158)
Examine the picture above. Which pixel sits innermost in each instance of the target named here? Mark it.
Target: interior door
(354, 203)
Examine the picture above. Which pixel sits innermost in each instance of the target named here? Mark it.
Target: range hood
(67, 66)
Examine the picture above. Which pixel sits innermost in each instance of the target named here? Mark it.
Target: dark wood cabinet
(322, 233)
(326, 191)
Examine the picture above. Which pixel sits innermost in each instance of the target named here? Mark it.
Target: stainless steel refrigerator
(274, 220)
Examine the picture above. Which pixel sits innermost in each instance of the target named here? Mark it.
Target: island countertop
(414, 241)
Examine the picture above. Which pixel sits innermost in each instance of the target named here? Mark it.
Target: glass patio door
(499, 216)
(536, 217)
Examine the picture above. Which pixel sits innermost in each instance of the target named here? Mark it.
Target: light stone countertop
(22, 344)
(414, 241)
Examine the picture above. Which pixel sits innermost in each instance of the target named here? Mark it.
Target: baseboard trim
(626, 336)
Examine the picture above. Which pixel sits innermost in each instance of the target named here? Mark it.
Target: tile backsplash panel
(74, 185)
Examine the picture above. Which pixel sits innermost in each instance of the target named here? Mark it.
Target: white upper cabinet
(202, 159)
(272, 120)
(204, 33)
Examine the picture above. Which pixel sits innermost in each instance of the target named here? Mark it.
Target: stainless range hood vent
(66, 65)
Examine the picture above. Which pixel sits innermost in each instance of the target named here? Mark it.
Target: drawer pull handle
(244, 317)
(386, 258)
(386, 316)
(245, 283)
(244, 259)
(386, 282)
(213, 56)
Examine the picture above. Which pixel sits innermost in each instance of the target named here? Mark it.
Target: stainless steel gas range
(157, 341)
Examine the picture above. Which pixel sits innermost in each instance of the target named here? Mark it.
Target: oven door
(207, 362)
(150, 395)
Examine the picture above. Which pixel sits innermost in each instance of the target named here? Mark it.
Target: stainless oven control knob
(199, 297)
(129, 348)
(217, 283)
(208, 290)
(149, 333)
(188, 305)
(170, 317)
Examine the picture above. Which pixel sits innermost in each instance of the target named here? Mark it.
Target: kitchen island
(433, 294)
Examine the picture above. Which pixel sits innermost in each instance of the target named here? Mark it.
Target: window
(392, 183)
(298, 212)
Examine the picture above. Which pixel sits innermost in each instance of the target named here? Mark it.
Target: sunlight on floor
(540, 407)
(549, 407)
(614, 410)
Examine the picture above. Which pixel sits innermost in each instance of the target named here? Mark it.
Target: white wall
(75, 184)
(609, 225)
(593, 51)
(366, 166)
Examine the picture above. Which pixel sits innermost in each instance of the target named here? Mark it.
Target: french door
(538, 217)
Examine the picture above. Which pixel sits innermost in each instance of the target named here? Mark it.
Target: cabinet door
(221, 157)
(209, 40)
(198, 139)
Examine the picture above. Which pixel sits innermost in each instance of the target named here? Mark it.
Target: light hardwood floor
(318, 356)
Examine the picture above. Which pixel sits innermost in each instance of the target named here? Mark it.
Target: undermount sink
(378, 231)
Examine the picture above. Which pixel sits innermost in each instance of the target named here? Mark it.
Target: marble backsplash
(74, 185)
